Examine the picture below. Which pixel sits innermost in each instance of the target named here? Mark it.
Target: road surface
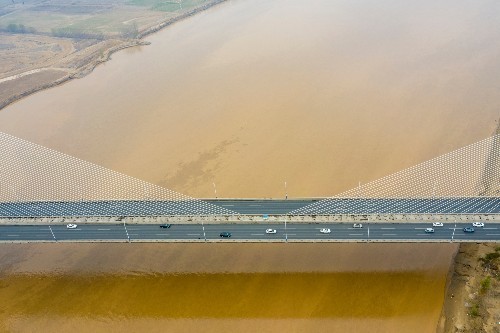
(309, 232)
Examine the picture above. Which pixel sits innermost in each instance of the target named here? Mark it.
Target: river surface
(252, 94)
(222, 287)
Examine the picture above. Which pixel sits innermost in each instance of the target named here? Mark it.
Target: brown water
(223, 287)
(248, 95)
(251, 94)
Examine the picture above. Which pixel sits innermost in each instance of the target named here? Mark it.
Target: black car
(165, 225)
(225, 234)
(468, 229)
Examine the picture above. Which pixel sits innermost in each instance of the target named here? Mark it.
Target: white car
(325, 230)
(357, 225)
(478, 224)
(429, 230)
(270, 231)
(437, 224)
(71, 226)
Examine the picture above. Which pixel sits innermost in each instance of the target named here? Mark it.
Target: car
(437, 224)
(357, 225)
(270, 231)
(71, 226)
(325, 230)
(429, 230)
(478, 224)
(225, 234)
(166, 225)
(468, 229)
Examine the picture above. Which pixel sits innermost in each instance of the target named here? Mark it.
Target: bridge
(42, 190)
(257, 207)
(291, 232)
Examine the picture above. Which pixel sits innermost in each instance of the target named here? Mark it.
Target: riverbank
(74, 58)
(37, 81)
(472, 298)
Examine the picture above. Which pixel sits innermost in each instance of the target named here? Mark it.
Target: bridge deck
(468, 205)
(293, 232)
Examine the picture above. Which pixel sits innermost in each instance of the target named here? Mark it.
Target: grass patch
(490, 260)
(485, 285)
(167, 5)
(474, 311)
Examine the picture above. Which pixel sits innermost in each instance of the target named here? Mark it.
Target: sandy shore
(471, 303)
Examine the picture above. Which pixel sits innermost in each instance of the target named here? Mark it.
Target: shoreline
(445, 310)
(89, 66)
(468, 305)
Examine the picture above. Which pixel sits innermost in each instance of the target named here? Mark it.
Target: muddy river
(253, 94)
(250, 95)
(223, 287)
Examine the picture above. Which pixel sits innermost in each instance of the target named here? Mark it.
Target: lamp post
(286, 234)
(434, 199)
(359, 198)
(203, 227)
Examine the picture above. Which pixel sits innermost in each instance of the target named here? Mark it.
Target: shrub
(474, 311)
(19, 29)
(485, 284)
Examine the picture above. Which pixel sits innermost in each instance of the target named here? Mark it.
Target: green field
(87, 19)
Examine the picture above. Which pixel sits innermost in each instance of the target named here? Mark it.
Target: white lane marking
(388, 234)
(103, 229)
(387, 228)
(257, 234)
(193, 234)
(420, 228)
(13, 235)
(134, 234)
(355, 234)
(161, 234)
(228, 205)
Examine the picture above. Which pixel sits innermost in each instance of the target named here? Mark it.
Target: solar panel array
(38, 181)
(466, 180)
